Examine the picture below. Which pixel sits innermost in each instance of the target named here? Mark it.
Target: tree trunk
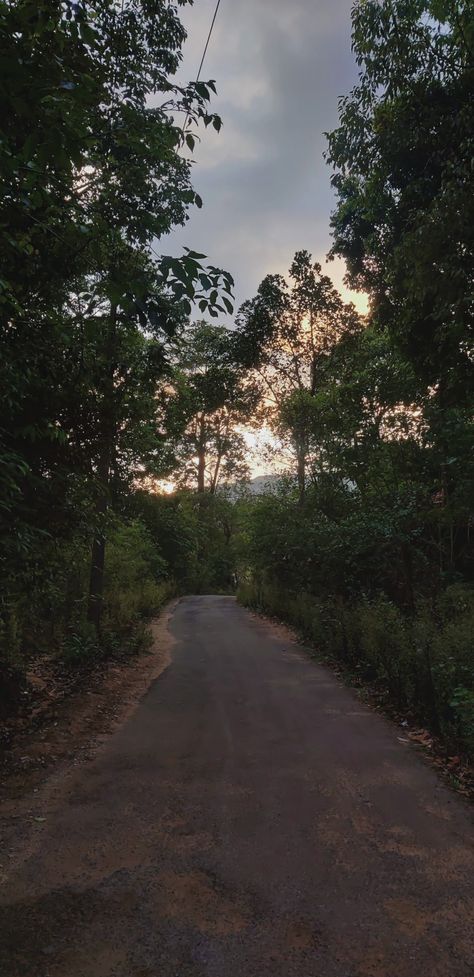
(201, 472)
(201, 477)
(96, 578)
(215, 476)
(408, 572)
(104, 470)
(301, 459)
(96, 581)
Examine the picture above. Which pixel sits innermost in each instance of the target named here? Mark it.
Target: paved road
(251, 819)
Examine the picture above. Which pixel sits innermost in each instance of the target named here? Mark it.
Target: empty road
(251, 819)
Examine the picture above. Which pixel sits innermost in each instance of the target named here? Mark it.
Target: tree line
(371, 553)
(112, 383)
(95, 169)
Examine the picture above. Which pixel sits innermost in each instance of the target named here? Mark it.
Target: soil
(66, 716)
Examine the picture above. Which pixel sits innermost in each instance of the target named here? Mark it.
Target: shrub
(80, 646)
(385, 647)
(135, 583)
(46, 610)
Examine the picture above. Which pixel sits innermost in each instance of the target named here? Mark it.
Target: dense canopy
(124, 372)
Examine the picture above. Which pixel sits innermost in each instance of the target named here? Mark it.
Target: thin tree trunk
(201, 483)
(215, 476)
(201, 472)
(104, 469)
(96, 581)
(301, 459)
(408, 572)
(220, 454)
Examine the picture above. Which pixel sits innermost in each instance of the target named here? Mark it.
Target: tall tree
(405, 216)
(209, 400)
(285, 333)
(94, 174)
(402, 158)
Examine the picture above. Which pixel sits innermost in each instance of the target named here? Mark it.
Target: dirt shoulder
(69, 721)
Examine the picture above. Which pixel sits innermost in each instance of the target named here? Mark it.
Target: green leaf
(194, 254)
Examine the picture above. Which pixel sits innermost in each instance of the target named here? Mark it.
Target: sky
(280, 67)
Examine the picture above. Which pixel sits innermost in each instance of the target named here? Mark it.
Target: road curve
(251, 819)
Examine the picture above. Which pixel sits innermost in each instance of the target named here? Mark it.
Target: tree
(94, 174)
(209, 399)
(374, 562)
(285, 333)
(402, 158)
(404, 221)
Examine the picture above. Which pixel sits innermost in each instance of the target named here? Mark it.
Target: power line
(216, 11)
(208, 39)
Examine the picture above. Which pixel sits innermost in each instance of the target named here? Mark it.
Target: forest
(124, 369)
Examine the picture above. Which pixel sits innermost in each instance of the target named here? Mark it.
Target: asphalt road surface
(251, 819)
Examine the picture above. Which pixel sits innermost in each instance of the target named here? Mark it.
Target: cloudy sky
(280, 66)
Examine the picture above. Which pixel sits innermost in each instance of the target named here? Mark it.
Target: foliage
(376, 565)
(402, 157)
(367, 543)
(285, 334)
(376, 562)
(93, 173)
(52, 618)
(207, 401)
(198, 536)
(135, 575)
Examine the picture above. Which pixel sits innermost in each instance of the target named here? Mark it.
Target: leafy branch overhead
(190, 281)
(94, 171)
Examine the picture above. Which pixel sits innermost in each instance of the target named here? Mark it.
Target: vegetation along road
(251, 818)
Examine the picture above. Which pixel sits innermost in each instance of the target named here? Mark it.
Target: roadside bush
(196, 536)
(385, 647)
(45, 612)
(135, 576)
(452, 667)
(45, 600)
(80, 646)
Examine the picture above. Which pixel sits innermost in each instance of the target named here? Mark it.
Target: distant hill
(257, 486)
(263, 483)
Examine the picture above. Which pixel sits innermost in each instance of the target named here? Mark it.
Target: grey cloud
(280, 66)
